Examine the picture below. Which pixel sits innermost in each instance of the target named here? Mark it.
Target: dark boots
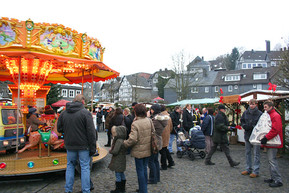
(119, 187)
(233, 163)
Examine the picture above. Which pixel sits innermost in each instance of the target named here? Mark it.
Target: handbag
(154, 144)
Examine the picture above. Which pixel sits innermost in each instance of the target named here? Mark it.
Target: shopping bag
(261, 129)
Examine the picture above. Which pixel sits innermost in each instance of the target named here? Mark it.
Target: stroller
(191, 143)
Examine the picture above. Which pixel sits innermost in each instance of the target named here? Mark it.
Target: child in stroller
(191, 143)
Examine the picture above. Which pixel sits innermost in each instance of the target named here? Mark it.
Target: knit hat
(221, 107)
(32, 110)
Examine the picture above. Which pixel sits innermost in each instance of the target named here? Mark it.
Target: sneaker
(275, 184)
(245, 173)
(254, 175)
(269, 180)
(209, 163)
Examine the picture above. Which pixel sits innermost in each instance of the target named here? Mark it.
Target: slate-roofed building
(133, 88)
(154, 80)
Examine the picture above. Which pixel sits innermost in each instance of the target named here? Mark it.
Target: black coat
(175, 116)
(249, 120)
(99, 117)
(128, 121)
(77, 125)
(221, 129)
(187, 120)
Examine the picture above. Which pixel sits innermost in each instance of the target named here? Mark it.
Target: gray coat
(118, 151)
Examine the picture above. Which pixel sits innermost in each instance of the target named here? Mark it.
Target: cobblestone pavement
(186, 176)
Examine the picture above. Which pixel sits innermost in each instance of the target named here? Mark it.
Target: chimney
(203, 58)
(267, 46)
(285, 48)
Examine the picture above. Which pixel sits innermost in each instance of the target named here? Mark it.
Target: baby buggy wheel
(179, 154)
(191, 155)
(202, 154)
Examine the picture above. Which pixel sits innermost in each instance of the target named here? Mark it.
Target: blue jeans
(84, 160)
(154, 166)
(273, 164)
(119, 176)
(256, 153)
(142, 175)
(170, 147)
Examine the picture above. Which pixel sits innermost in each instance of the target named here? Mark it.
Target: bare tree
(283, 76)
(182, 77)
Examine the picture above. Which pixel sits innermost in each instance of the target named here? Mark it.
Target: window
(78, 92)
(264, 65)
(230, 88)
(254, 86)
(244, 66)
(194, 90)
(232, 77)
(216, 89)
(259, 76)
(273, 63)
(249, 66)
(259, 86)
(64, 92)
(71, 93)
(207, 89)
(155, 88)
(155, 80)
(236, 87)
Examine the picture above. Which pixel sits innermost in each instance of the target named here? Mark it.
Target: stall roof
(195, 101)
(262, 95)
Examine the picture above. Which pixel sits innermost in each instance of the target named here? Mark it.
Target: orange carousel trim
(36, 54)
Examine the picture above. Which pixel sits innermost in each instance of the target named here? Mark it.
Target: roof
(246, 76)
(137, 80)
(254, 55)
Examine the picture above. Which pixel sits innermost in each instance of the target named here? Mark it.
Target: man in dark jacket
(175, 116)
(220, 137)
(208, 128)
(249, 120)
(99, 115)
(80, 141)
(187, 117)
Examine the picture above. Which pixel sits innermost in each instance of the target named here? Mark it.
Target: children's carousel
(32, 55)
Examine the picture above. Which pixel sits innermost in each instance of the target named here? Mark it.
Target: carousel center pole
(18, 108)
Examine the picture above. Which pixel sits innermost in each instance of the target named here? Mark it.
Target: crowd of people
(132, 132)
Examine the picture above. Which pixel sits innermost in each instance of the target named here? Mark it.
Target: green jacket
(118, 151)
(221, 128)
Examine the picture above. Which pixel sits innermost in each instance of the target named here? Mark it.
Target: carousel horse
(49, 137)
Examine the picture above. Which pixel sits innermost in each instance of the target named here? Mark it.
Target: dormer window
(232, 77)
(259, 76)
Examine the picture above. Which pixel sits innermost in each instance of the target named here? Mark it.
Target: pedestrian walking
(118, 159)
(249, 120)
(140, 142)
(208, 128)
(80, 141)
(275, 180)
(220, 137)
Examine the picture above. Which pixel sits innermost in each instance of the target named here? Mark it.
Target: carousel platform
(29, 162)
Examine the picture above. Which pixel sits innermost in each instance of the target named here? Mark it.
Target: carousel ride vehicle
(32, 55)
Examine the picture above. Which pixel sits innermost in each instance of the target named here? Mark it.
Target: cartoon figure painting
(51, 40)
(7, 35)
(94, 52)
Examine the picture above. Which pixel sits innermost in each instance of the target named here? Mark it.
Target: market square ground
(187, 176)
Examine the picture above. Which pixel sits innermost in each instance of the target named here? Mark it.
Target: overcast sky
(142, 36)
